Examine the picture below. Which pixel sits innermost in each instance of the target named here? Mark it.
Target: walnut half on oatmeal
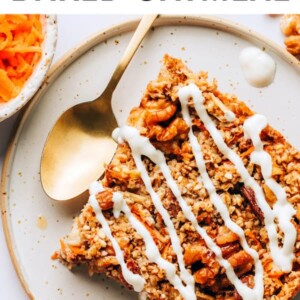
(201, 200)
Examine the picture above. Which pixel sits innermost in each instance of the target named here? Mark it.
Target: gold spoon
(80, 142)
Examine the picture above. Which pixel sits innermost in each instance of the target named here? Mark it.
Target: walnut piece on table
(293, 44)
(290, 27)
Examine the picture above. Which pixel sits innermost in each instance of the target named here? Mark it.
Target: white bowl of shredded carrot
(27, 45)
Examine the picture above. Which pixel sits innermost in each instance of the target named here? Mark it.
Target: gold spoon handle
(132, 47)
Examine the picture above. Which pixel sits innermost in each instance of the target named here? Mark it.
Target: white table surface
(73, 29)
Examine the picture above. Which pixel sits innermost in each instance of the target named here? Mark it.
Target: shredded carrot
(247, 152)
(21, 37)
(77, 250)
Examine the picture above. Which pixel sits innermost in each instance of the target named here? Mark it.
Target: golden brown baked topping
(165, 215)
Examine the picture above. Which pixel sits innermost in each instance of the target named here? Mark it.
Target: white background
(152, 6)
(73, 29)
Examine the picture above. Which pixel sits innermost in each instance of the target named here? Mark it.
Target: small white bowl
(36, 79)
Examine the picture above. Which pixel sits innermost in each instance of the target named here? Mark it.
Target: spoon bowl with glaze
(80, 143)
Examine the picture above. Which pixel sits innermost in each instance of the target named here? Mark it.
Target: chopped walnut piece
(293, 44)
(105, 199)
(240, 260)
(206, 275)
(290, 24)
(226, 236)
(230, 249)
(160, 113)
(270, 197)
(177, 128)
(194, 253)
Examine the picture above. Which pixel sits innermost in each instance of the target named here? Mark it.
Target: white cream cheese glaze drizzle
(135, 280)
(277, 253)
(151, 249)
(228, 114)
(141, 145)
(282, 209)
(257, 293)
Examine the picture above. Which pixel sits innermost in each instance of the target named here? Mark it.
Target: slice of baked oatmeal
(201, 200)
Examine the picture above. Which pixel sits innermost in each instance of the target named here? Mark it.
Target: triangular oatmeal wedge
(201, 200)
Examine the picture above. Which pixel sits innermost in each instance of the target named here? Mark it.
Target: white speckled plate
(33, 223)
